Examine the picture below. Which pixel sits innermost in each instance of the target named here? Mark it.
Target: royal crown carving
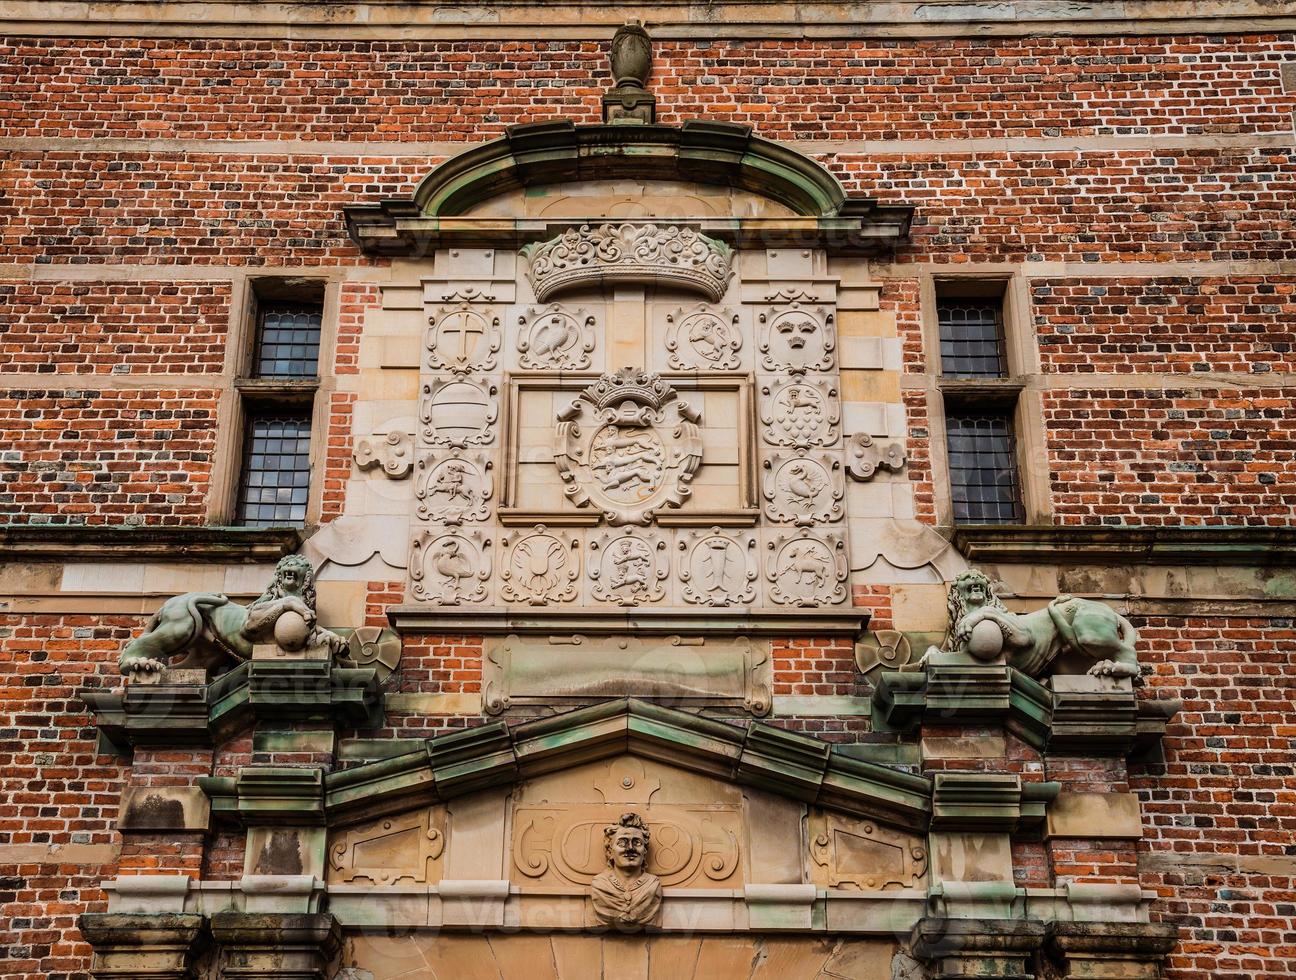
(629, 253)
(628, 445)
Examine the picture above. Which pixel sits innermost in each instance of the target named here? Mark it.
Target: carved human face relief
(627, 849)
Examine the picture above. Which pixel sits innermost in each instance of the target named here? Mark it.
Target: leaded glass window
(972, 338)
(276, 472)
(983, 469)
(288, 341)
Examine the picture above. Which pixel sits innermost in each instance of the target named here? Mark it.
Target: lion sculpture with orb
(1069, 633)
(215, 632)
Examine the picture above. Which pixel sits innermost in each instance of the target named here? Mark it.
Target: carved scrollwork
(806, 569)
(703, 339)
(463, 338)
(628, 445)
(718, 569)
(799, 413)
(797, 338)
(450, 568)
(458, 412)
(861, 855)
(865, 456)
(628, 567)
(393, 451)
(555, 338)
(407, 847)
(804, 490)
(648, 253)
(540, 567)
(375, 646)
(454, 487)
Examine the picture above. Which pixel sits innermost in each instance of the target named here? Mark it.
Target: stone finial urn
(631, 55)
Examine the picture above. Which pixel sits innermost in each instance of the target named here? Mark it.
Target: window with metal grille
(983, 469)
(972, 338)
(288, 341)
(276, 471)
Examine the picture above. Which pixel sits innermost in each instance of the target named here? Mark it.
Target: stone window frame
(1017, 395)
(247, 393)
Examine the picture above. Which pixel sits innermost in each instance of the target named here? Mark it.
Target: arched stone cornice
(699, 151)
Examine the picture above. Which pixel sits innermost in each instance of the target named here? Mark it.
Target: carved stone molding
(797, 338)
(458, 412)
(393, 451)
(555, 338)
(800, 413)
(453, 487)
(628, 567)
(463, 338)
(407, 847)
(804, 490)
(450, 568)
(703, 339)
(718, 569)
(668, 254)
(806, 569)
(539, 567)
(862, 855)
(628, 445)
(865, 456)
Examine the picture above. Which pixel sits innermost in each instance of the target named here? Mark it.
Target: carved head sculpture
(626, 843)
(971, 591)
(292, 576)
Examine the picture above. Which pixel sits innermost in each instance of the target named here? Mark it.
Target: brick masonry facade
(1144, 186)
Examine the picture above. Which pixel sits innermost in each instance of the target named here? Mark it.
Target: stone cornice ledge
(117, 542)
(1080, 545)
(497, 621)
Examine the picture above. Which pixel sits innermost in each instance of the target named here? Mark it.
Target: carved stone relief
(718, 569)
(458, 412)
(799, 413)
(806, 569)
(629, 253)
(797, 338)
(555, 338)
(865, 456)
(628, 567)
(450, 568)
(626, 893)
(393, 451)
(463, 338)
(375, 646)
(860, 855)
(703, 339)
(454, 487)
(403, 848)
(540, 567)
(804, 490)
(628, 446)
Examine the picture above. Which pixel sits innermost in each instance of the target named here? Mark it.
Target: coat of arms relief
(628, 446)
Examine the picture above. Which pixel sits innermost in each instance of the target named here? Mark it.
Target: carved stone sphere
(291, 631)
(986, 641)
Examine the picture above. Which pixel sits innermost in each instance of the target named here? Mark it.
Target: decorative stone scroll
(799, 413)
(628, 567)
(703, 339)
(865, 456)
(403, 848)
(392, 451)
(718, 569)
(463, 338)
(628, 445)
(797, 338)
(458, 412)
(540, 567)
(555, 338)
(806, 569)
(804, 490)
(861, 855)
(668, 254)
(450, 568)
(454, 487)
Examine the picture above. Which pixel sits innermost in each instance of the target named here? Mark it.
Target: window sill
(118, 542)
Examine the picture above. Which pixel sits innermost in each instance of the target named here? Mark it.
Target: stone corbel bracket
(865, 456)
(1074, 715)
(989, 803)
(392, 451)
